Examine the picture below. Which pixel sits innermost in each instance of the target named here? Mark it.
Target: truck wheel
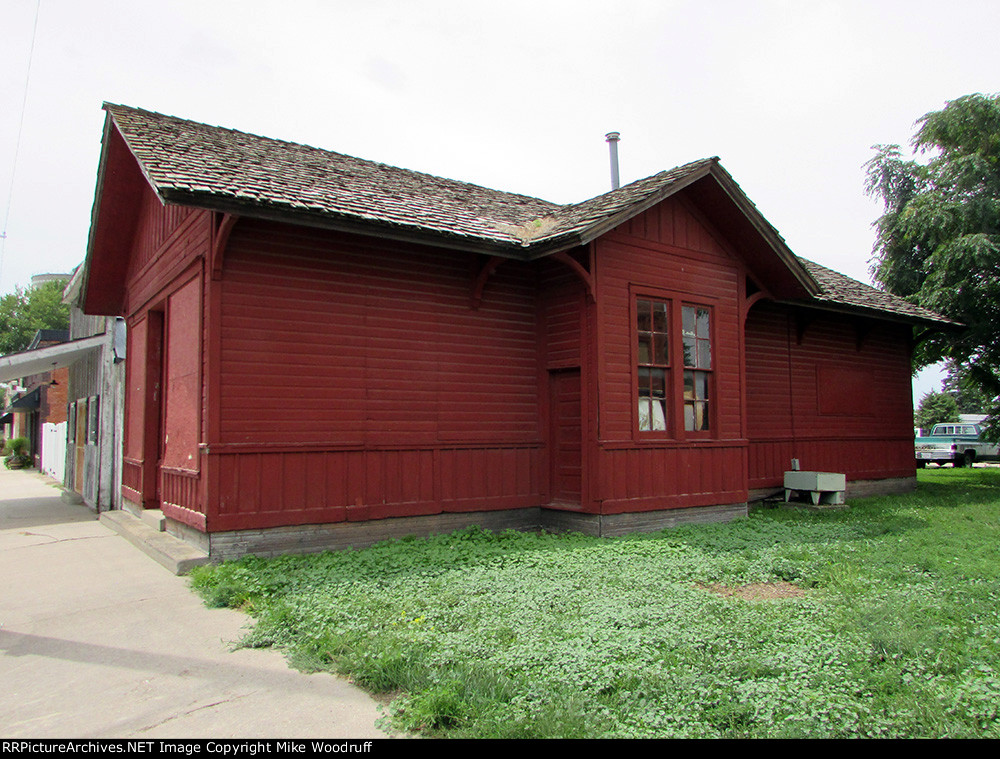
(921, 464)
(969, 458)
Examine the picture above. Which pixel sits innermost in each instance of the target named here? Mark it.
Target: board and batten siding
(831, 391)
(358, 382)
(669, 252)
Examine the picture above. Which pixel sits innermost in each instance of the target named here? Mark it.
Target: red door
(566, 436)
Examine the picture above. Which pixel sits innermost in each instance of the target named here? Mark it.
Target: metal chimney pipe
(612, 138)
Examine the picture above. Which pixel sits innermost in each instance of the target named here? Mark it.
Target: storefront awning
(28, 402)
(27, 363)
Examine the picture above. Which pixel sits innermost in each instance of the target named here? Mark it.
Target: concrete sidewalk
(99, 641)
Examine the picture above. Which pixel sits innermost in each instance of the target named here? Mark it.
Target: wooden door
(566, 442)
(80, 445)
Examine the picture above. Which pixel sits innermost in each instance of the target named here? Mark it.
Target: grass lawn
(881, 621)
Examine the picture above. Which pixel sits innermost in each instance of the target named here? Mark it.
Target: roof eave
(348, 224)
(40, 360)
(872, 312)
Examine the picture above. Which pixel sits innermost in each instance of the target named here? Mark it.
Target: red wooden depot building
(326, 351)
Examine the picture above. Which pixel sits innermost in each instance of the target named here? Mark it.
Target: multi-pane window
(652, 326)
(697, 343)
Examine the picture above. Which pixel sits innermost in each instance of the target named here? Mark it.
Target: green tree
(938, 242)
(936, 408)
(24, 312)
(968, 394)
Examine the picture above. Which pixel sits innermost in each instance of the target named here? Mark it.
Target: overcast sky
(791, 94)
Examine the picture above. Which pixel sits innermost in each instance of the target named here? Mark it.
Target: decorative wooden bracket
(582, 273)
(750, 300)
(480, 284)
(222, 226)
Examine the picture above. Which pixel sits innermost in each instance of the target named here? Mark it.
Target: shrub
(16, 453)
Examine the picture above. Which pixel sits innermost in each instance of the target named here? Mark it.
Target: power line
(17, 143)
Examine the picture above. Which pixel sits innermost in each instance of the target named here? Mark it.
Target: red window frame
(672, 367)
(696, 339)
(651, 327)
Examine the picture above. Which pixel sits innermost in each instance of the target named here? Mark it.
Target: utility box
(826, 488)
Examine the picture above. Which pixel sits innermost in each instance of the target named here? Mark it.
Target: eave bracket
(582, 273)
(222, 226)
(480, 284)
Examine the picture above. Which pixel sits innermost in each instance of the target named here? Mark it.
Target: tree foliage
(936, 408)
(938, 242)
(24, 312)
(967, 393)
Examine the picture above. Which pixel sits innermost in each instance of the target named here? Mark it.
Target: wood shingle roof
(196, 164)
(840, 291)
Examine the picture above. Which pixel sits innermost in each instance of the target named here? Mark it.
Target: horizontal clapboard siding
(358, 382)
(326, 339)
(831, 391)
(561, 305)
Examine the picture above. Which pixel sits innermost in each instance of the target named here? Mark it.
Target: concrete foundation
(153, 530)
(222, 546)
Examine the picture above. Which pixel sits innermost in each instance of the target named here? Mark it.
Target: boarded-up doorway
(80, 445)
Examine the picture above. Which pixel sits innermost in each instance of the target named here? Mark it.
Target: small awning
(28, 363)
(28, 402)
(6, 418)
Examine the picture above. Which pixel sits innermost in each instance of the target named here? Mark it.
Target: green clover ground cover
(519, 635)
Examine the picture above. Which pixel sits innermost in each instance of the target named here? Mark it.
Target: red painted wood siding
(182, 375)
(325, 340)
(135, 390)
(561, 307)
(561, 329)
(356, 381)
(828, 402)
(156, 224)
(566, 442)
(164, 281)
(344, 378)
(168, 240)
(672, 253)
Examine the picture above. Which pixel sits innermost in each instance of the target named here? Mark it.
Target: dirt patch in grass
(758, 591)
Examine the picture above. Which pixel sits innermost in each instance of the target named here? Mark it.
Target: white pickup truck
(958, 444)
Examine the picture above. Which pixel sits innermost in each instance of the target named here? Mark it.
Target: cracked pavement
(97, 640)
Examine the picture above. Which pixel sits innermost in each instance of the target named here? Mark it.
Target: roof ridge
(682, 169)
